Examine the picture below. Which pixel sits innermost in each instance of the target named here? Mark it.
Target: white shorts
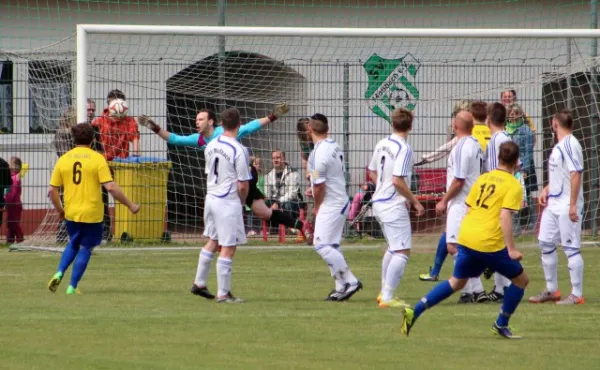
(329, 227)
(454, 216)
(224, 221)
(396, 228)
(558, 228)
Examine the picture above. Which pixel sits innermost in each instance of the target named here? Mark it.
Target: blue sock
(81, 262)
(440, 292)
(440, 256)
(67, 258)
(512, 298)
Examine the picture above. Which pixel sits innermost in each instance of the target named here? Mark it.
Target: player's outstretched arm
(251, 127)
(439, 153)
(194, 140)
(118, 194)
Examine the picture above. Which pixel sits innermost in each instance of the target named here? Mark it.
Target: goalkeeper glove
(280, 110)
(148, 123)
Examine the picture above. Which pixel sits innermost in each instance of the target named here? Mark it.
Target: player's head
(205, 118)
(402, 120)
(278, 159)
(83, 134)
(460, 106)
(318, 125)
(114, 94)
(302, 129)
(463, 123)
(230, 119)
(508, 155)
(515, 113)
(496, 115)
(479, 111)
(562, 120)
(508, 97)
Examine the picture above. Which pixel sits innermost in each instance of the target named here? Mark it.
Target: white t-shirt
(566, 157)
(326, 165)
(465, 162)
(226, 164)
(493, 148)
(392, 157)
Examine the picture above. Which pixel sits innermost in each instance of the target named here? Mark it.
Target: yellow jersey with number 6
(480, 229)
(81, 172)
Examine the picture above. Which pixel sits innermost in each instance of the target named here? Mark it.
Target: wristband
(156, 128)
(272, 117)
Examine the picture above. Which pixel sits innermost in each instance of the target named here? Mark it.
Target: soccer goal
(354, 76)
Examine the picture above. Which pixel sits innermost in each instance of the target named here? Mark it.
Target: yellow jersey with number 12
(480, 229)
(81, 172)
(483, 135)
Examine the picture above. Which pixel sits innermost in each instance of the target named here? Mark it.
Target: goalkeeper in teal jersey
(205, 124)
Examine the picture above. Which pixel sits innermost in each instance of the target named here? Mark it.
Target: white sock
(387, 257)
(393, 276)
(550, 265)
(500, 282)
(576, 271)
(468, 289)
(223, 276)
(476, 285)
(337, 264)
(204, 262)
(340, 284)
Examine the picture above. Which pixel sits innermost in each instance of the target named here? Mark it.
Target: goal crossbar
(83, 30)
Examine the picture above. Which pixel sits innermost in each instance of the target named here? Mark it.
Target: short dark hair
(319, 124)
(230, 118)
(402, 119)
(564, 118)
(115, 94)
(211, 115)
(18, 162)
(83, 134)
(479, 110)
(497, 114)
(509, 153)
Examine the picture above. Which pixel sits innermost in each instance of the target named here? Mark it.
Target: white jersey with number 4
(392, 157)
(326, 165)
(566, 157)
(465, 162)
(226, 164)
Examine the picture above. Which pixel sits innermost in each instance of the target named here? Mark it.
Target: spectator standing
(14, 205)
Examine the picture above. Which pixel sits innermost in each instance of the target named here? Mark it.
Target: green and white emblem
(391, 84)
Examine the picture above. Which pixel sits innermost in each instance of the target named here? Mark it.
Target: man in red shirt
(117, 132)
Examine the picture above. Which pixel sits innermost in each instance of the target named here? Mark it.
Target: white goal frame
(84, 30)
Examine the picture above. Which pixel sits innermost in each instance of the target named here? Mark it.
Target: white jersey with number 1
(226, 164)
(326, 165)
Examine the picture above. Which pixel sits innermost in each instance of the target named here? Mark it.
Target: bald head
(463, 123)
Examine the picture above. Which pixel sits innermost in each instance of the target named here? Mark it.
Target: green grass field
(136, 313)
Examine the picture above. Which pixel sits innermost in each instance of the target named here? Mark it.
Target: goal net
(355, 79)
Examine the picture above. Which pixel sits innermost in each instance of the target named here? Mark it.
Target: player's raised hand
(134, 208)
(148, 123)
(281, 110)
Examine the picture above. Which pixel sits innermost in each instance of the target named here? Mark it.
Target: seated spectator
(253, 223)
(282, 185)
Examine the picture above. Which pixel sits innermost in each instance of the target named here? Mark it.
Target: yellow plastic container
(144, 183)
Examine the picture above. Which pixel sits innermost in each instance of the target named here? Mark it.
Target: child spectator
(14, 207)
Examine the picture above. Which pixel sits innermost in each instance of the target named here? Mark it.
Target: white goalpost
(355, 76)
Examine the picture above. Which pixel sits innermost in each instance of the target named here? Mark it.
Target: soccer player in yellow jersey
(81, 172)
(485, 240)
(481, 131)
